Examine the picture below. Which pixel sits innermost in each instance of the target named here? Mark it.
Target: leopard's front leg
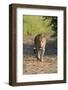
(42, 54)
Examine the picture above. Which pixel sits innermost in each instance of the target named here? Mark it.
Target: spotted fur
(39, 45)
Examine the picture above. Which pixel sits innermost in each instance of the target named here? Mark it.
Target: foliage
(38, 24)
(53, 23)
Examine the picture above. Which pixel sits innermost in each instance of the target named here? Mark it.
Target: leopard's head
(42, 40)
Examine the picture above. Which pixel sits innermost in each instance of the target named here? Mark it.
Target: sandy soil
(33, 66)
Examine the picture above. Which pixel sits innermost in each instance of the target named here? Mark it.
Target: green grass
(34, 25)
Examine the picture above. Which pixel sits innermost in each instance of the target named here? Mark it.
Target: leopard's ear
(46, 35)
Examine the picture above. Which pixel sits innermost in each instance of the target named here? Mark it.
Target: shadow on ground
(51, 48)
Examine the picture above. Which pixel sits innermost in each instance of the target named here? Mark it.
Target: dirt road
(33, 66)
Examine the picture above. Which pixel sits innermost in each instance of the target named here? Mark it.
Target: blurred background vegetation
(39, 24)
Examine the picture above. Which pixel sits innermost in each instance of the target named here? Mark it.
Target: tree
(53, 23)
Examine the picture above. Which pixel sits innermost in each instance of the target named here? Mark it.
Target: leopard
(39, 45)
